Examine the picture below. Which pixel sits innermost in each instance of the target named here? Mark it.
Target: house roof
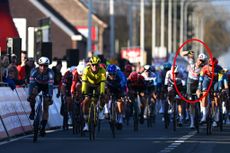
(75, 11)
(94, 16)
(57, 18)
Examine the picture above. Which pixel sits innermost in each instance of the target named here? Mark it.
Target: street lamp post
(153, 28)
(89, 40)
(111, 6)
(169, 26)
(175, 26)
(142, 30)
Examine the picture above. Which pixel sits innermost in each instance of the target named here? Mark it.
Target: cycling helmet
(133, 76)
(80, 69)
(147, 68)
(43, 61)
(212, 61)
(112, 69)
(167, 66)
(128, 68)
(72, 68)
(94, 60)
(202, 57)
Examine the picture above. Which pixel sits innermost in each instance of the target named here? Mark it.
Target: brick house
(66, 16)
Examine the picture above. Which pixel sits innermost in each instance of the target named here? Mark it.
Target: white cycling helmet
(202, 57)
(43, 61)
(147, 67)
(80, 67)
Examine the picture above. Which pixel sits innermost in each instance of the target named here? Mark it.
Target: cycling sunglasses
(111, 73)
(95, 65)
(201, 60)
(43, 65)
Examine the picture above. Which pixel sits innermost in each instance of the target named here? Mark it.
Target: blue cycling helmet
(112, 69)
(167, 66)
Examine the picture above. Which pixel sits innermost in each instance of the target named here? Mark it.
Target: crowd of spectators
(13, 72)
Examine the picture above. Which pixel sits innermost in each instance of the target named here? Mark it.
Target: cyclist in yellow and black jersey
(93, 78)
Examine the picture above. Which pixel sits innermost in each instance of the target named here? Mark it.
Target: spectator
(22, 67)
(28, 67)
(4, 65)
(10, 79)
(13, 64)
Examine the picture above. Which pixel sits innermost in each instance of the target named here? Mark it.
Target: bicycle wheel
(36, 123)
(196, 118)
(221, 115)
(135, 116)
(148, 113)
(65, 117)
(91, 122)
(113, 118)
(76, 118)
(74, 130)
(35, 130)
(166, 115)
(127, 111)
(174, 116)
(209, 122)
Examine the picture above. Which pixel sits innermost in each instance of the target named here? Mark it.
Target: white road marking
(24, 137)
(178, 142)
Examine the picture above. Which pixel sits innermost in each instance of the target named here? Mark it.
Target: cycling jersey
(150, 81)
(67, 82)
(57, 76)
(119, 83)
(170, 83)
(136, 85)
(76, 79)
(206, 75)
(46, 78)
(207, 71)
(223, 80)
(193, 71)
(67, 79)
(97, 79)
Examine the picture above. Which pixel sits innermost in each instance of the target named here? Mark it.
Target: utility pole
(131, 24)
(112, 40)
(174, 26)
(142, 34)
(162, 22)
(169, 26)
(89, 40)
(181, 21)
(153, 28)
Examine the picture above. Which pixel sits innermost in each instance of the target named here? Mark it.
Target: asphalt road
(147, 140)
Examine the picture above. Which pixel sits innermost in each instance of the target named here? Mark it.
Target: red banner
(131, 54)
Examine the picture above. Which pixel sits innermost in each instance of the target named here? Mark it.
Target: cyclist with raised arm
(116, 83)
(41, 79)
(204, 81)
(93, 78)
(194, 70)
